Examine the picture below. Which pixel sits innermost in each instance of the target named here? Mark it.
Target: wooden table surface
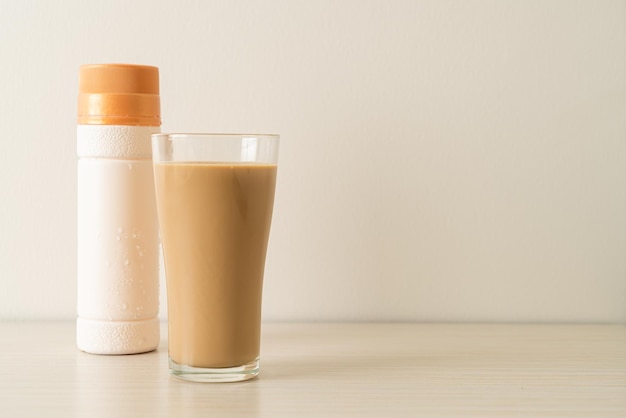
(327, 370)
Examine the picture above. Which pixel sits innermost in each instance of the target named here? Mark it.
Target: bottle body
(118, 247)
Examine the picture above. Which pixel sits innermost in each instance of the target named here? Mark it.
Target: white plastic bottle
(118, 247)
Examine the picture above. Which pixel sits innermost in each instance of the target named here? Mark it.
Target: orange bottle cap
(119, 94)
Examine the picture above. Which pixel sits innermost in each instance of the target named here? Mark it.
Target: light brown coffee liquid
(214, 222)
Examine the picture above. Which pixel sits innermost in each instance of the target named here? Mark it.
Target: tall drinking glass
(215, 195)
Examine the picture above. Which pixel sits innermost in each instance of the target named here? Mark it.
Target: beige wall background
(440, 160)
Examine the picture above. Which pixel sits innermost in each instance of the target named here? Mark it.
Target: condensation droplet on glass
(120, 230)
(130, 166)
(124, 306)
(126, 262)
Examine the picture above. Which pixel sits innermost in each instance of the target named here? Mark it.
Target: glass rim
(215, 147)
(175, 135)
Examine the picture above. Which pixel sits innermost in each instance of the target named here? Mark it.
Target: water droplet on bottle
(120, 230)
(140, 253)
(126, 262)
(130, 166)
(124, 306)
(117, 237)
(134, 235)
(107, 263)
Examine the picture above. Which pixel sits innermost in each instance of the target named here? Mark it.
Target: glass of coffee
(215, 195)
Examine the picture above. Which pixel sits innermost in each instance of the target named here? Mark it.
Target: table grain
(328, 370)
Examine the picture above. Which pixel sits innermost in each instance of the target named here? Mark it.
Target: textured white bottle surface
(118, 253)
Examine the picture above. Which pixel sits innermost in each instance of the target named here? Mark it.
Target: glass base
(219, 374)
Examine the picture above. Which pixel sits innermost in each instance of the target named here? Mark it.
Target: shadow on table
(340, 366)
